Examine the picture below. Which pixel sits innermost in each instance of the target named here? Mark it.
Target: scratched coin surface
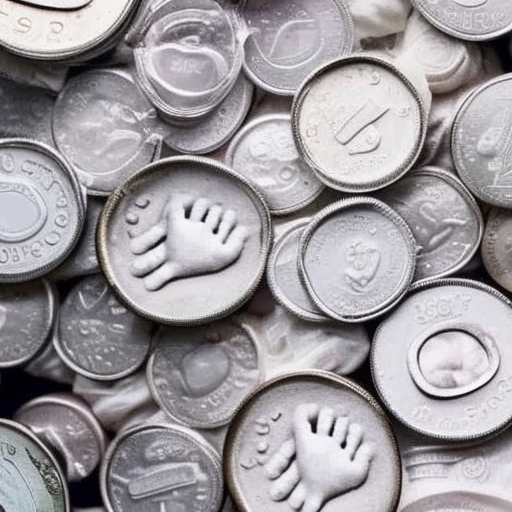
(357, 259)
(97, 336)
(443, 216)
(441, 361)
(161, 467)
(32, 480)
(41, 210)
(359, 123)
(200, 375)
(312, 441)
(287, 40)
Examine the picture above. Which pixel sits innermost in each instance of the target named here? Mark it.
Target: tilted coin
(66, 424)
(357, 259)
(442, 360)
(265, 153)
(97, 336)
(288, 40)
(312, 441)
(360, 122)
(184, 241)
(32, 480)
(41, 210)
(443, 216)
(163, 467)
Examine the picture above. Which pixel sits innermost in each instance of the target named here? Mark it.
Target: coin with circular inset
(312, 441)
(185, 241)
(360, 123)
(31, 477)
(288, 40)
(41, 210)
(97, 336)
(442, 360)
(161, 466)
(357, 259)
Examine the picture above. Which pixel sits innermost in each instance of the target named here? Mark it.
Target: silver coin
(443, 216)
(312, 441)
(359, 122)
(441, 361)
(461, 501)
(32, 480)
(66, 424)
(289, 39)
(41, 210)
(161, 467)
(185, 241)
(200, 375)
(357, 259)
(104, 125)
(472, 20)
(97, 336)
(482, 141)
(265, 153)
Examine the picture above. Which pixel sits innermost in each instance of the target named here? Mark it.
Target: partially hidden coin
(161, 466)
(97, 336)
(441, 361)
(31, 477)
(459, 500)
(357, 259)
(41, 210)
(312, 441)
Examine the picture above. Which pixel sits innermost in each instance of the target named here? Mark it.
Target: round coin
(359, 123)
(442, 360)
(357, 259)
(184, 241)
(312, 441)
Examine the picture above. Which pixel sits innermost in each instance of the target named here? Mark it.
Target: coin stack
(208, 208)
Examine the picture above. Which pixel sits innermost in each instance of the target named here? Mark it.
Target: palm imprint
(324, 459)
(192, 237)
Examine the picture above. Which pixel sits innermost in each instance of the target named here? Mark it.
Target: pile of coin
(207, 210)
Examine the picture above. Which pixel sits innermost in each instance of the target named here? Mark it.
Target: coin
(184, 241)
(463, 501)
(316, 441)
(359, 123)
(97, 336)
(32, 480)
(357, 259)
(443, 216)
(200, 375)
(41, 210)
(288, 40)
(441, 360)
(265, 153)
(163, 467)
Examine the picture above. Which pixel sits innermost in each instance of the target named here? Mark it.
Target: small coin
(162, 467)
(200, 375)
(312, 441)
(31, 477)
(265, 153)
(359, 122)
(97, 336)
(185, 241)
(357, 259)
(41, 210)
(441, 361)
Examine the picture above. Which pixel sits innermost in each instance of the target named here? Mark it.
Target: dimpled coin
(162, 467)
(442, 361)
(359, 123)
(184, 241)
(312, 441)
(41, 210)
(357, 259)
(31, 477)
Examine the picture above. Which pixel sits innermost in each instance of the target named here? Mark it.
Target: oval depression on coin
(312, 441)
